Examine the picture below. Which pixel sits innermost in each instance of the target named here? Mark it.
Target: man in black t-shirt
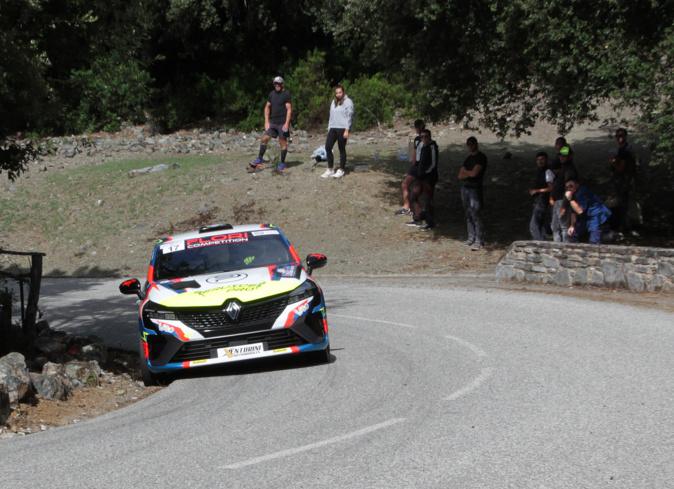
(540, 193)
(277, 114)
(624, 167)
(471, 175)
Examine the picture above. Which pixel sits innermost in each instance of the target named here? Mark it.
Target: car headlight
(304, 291)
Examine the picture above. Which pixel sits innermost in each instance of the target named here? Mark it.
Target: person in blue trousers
(588, 214)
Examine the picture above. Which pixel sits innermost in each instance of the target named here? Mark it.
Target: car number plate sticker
(172, 247)
(240, 351)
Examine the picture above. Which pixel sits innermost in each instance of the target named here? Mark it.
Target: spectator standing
(339, 126)
(423, 186)
(565, 170)
(623, 167)
(588, 213)
(540, 192)
(277, 114)
(560, 142)
(471, 175)
(411, 175)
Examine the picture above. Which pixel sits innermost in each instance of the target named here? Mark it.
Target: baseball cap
(278, 79)
(564, 151)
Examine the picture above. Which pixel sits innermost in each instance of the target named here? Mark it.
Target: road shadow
(511, 172)
(85, 272)
(252, 367)
(89, 307)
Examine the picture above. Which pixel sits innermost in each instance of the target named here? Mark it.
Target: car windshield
(221, 253)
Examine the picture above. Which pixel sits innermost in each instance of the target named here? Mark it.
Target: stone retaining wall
(638, 269)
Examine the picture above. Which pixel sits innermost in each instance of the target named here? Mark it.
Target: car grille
(217, 322)
(276, 338)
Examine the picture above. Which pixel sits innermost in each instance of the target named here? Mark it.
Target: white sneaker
(338, 174)
(328, 173)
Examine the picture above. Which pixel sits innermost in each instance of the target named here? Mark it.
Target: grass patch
(99, 200)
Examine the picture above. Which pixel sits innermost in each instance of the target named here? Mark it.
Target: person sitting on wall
(588, 214)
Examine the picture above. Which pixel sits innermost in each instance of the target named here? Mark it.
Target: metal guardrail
(29, 304)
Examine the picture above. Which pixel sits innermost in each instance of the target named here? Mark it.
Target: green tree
(24, 93)
(519, 61)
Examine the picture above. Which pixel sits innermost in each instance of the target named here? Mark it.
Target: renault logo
(233, 309)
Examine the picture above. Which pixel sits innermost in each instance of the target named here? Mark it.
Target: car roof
(218, 230)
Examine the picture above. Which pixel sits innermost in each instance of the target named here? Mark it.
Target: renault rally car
(224, 294)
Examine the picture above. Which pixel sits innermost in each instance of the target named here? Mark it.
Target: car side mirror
(130, 287)
(316, 260)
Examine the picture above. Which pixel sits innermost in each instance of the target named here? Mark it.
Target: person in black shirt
(471, 175)
(564, 171)
(623, 167)
(277, 114)
(423, 187)
(540, 192)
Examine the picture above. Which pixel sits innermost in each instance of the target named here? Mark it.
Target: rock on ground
(95, 351)
(52, 346)
(82, 373)
(56, 387)
(4, 404)
(14, 376)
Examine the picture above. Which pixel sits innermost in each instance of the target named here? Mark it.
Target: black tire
(150, 379)
(321, 356)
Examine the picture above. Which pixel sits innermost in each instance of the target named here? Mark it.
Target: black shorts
(276, 131)
(413, 171)
(430, 180)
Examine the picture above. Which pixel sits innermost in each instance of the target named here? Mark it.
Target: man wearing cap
(277, 113)
(564, 170)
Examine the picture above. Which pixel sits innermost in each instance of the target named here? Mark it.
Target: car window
(220, 253)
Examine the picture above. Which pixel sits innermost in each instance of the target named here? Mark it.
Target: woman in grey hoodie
(341, 117)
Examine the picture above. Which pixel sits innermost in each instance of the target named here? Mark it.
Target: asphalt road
(431, 386)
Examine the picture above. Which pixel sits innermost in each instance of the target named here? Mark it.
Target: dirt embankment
(92, 218)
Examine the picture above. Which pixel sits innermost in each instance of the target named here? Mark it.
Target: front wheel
(322, 356)
(150, 379)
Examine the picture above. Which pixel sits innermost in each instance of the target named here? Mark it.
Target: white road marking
(485, 373)
(311, 446)
(477, 382)
(475, 349)
(373, 320)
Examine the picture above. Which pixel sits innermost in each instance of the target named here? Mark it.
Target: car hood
(213, 290)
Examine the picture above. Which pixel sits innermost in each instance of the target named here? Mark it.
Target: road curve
(430, 387)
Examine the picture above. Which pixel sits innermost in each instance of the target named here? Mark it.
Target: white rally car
(227, 293)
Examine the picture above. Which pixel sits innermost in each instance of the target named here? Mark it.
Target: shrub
(310, 91)
(376, 100)
(114, 89)
(236, 100)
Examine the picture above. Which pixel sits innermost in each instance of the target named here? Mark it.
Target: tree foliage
(514, 62)
(81, 65)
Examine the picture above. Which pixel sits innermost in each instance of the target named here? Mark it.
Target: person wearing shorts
(412, 173)
(423, 187)
(277, 114)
